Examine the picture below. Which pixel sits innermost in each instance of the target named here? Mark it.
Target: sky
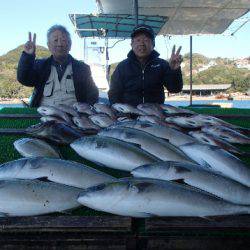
(18, 17)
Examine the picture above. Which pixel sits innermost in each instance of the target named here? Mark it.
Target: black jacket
(35, 73)
(133, 84)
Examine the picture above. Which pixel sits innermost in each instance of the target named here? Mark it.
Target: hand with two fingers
(30, 45)
(175, 59)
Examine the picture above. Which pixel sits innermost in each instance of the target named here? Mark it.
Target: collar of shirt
(60, 68)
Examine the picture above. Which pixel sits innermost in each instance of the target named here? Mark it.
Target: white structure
(95, 56)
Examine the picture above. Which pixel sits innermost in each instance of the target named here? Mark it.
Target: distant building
(206, 89)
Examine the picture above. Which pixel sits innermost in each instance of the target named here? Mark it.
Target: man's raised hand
(30, 45)
(175, 59)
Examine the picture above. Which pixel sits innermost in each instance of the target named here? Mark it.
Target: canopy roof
(184, 16)
(112, 25)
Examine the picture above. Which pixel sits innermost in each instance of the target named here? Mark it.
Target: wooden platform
(117, 232)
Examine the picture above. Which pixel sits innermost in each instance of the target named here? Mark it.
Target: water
(244, 104)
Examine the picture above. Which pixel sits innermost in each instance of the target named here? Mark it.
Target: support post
(136, 11)
(191, 68)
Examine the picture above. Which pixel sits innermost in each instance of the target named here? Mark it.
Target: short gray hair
(58, 27)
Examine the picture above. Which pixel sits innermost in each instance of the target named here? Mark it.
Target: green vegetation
(9, 86)
(220, 71)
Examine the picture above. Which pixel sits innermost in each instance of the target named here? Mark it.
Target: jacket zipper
(143, 78)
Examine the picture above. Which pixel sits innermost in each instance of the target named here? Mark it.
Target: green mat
(9, 153)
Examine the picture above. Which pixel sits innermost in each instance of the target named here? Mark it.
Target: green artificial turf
(8, 152)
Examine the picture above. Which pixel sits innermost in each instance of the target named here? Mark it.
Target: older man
(142, 76)
(59, 79)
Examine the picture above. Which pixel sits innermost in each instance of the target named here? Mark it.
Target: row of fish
(75, 184)
(215, 182)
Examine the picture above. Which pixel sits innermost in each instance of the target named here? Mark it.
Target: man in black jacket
(59, 79)
(142, 76)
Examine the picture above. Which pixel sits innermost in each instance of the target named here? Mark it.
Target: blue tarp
(113, 26)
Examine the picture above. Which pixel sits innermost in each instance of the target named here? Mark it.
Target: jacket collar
(154, 54)
(50, 59)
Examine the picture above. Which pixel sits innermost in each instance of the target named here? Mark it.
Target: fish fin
(135, 144)
(2, 214)
(43, 178)
(181, 181)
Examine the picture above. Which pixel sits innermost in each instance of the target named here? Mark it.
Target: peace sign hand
(30, 46)
(175, 59)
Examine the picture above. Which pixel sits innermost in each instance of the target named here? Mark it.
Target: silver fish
(151, 118)
(184, 121)
(47, 118)
(83, 108)
(53, 111)
(33, 197)
(218, 160)
(147, 197)
(227, 134)
(61, 171)
(174, 136)
(197, 176)
(151, 109)
(154, 145)
(213, 140)
(169, 109)
(126, 109)
(84, 123)
(29, 147)
(104, 109)
(102, 120)
(68, 109)
(59, 133)
(111, 152)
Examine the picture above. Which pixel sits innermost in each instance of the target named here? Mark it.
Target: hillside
(205, 71)
(9, 87)
(216, 71)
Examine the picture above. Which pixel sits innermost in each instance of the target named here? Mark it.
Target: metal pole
(136, 11)
(191, 67)
(107, 59)
(84, 50)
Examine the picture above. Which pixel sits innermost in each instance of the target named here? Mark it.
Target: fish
(47, 118)
(112, 153)
(196, 176)
(125, 108)
(53, 111)
(56, 170)
(211, 120)
(217, 159)
(174, 136)
(85, 123)
(158, 147)
(142, 197)
(151, 109)
(54, 132)
(104, 109)
(83, 108)
(68, 110)
(172, 110)
(29, 147)
(213, 140)
(34, 197)
(227, 134)
(102, 120)
(187, 122)
(151, 118)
